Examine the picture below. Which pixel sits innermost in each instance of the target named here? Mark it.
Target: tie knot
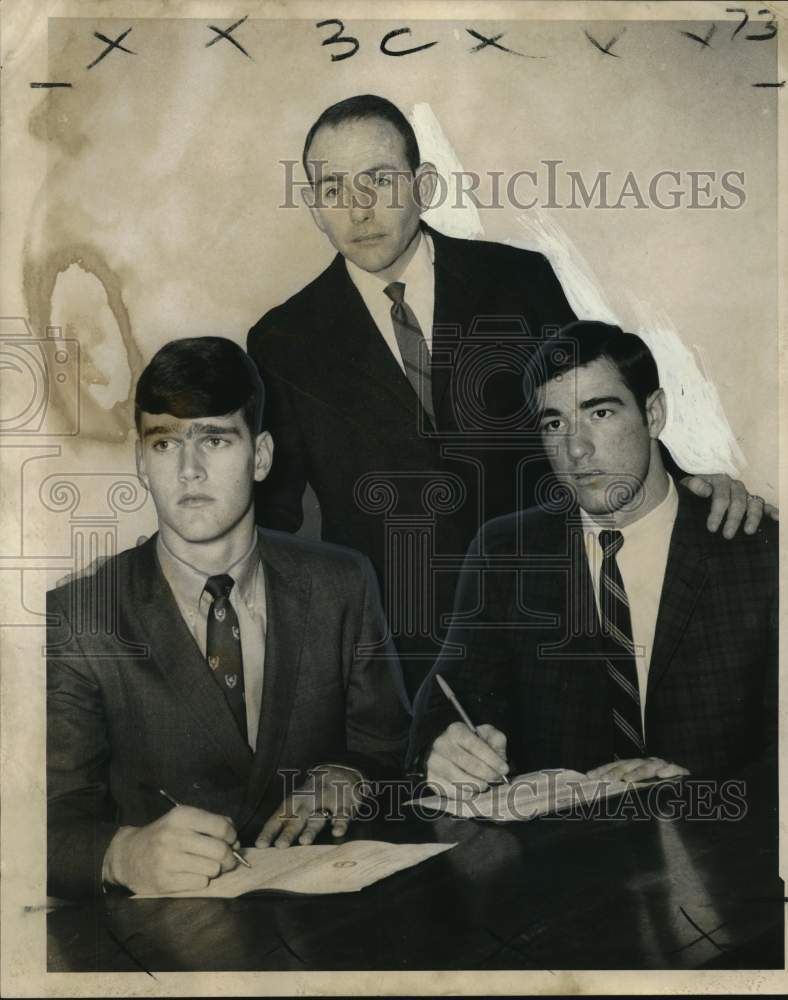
(611, 542)
(396, 292)
(219, 586)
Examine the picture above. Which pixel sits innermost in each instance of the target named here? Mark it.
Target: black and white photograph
(390, 429)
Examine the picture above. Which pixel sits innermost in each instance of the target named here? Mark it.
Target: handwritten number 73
(770, 26)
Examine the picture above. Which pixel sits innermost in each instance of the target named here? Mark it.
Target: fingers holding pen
(469, 761)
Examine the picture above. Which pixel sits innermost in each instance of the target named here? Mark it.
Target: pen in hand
(235, 853)
(452, 697)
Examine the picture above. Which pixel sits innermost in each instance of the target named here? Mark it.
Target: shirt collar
(419, 272)
(188, 583)
(659, 519)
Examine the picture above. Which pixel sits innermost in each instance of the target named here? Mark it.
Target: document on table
(530, 795)
(315, 868)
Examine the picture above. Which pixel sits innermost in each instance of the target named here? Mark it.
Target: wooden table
(632, 892)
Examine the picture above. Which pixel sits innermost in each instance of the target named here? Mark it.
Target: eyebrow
(217, 429)
(333, 178)
(158, 429)
(587, 404)
(330, 178)
(383, 166)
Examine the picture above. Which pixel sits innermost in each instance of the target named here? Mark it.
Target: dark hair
(580, 343)
(201, 377)
(360, 108)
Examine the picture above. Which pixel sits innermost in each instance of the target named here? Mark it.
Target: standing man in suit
(609, 630)
(231, 667)
(395, 377)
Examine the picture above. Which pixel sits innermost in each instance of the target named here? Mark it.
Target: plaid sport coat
(525, 652)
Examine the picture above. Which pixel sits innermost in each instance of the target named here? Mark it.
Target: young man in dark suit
(395, 377)
(234, 668)
(608, 629)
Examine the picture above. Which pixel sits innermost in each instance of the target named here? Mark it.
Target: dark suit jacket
(132, 707)
(534, 668)
(339, 406)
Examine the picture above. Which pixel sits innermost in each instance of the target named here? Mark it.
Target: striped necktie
(223, 647)
(412, 346)
(622, 675)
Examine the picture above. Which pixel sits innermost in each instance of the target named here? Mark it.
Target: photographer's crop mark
(227, 34)
(491, 42)
(702, 40)
(384, 44)
(704, 935)
(110, 46)
(605, 49)
(339, 38)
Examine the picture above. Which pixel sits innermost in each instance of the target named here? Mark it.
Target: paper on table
(316, 868)
(530, 795)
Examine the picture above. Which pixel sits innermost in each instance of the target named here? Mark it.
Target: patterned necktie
(223, 647)
(622, 675)
(412, 346)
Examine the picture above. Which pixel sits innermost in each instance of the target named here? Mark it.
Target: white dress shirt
(419, 279)
(641, 561)
(248, 600)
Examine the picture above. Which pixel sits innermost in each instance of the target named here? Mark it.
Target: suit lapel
(287, 596)
(175, 654)
(685, 574)
(576, 717)
(562, 547)
(456, 293)
(355, 341)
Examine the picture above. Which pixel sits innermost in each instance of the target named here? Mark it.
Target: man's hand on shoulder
(461, 764)
(730, 500)
(182, 850)
(331, 793)
(638, 769)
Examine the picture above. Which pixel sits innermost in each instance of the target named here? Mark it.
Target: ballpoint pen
(175, 802)
(461, 711)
